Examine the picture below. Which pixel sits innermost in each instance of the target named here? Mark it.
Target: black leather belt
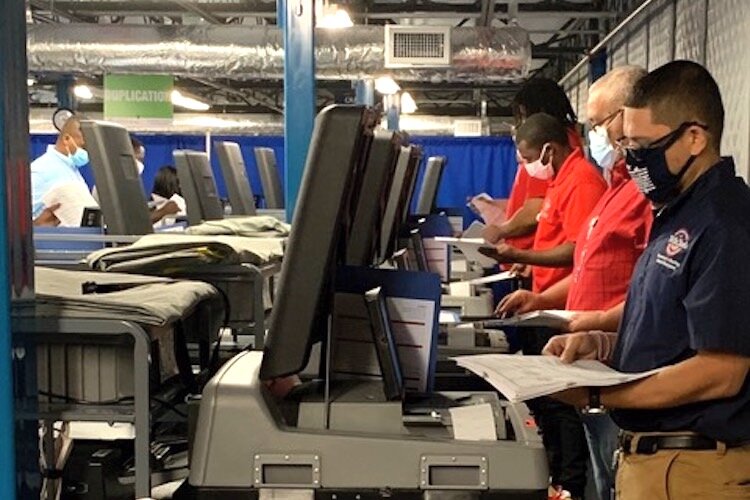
(650, 444)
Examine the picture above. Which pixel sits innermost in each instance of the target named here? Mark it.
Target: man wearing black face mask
(688, 307)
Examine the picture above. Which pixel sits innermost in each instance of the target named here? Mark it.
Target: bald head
(608, 95)
(71, 137)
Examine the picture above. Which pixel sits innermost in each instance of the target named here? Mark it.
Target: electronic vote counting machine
(350, 438)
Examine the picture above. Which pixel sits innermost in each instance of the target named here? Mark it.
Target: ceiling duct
(478, 55)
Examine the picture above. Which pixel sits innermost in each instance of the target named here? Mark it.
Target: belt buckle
(647, 445)
(624, 442)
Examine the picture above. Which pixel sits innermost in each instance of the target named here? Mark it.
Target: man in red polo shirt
(607, 246)
(575, 187)
(538, 95)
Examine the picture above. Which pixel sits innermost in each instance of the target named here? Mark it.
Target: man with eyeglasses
(575, 186)
(607, 247)
(687, 428)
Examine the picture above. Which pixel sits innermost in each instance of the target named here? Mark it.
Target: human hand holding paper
(47, 217)
(502, 253)
(492, 211)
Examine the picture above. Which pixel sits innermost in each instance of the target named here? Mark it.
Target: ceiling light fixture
(386, 85)
(83, 92)
(30, 81)
(334, 17)
(331, 16)
(408, 104)
(187, 102)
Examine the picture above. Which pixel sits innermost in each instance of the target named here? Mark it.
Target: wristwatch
(595, 404)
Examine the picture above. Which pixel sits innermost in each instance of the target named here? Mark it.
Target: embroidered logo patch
(678, 242)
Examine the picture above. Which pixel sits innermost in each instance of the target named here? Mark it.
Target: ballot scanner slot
(286, 471)
(453, 472)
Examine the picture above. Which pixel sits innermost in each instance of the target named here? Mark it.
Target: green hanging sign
(138, 96)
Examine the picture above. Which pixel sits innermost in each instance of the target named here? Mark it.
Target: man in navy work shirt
(687, 428)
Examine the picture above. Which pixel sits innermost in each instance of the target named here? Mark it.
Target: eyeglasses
(663, 142)
(607, 121)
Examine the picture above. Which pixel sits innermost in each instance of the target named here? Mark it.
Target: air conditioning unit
(415, 46)
(468, 128)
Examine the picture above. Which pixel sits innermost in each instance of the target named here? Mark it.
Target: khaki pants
(685, 475)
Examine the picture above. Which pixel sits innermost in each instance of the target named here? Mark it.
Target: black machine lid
(299, 317)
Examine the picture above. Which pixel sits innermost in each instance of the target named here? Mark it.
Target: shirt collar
(619, 174)
(714, 176)
(567, 167)
(52, 149)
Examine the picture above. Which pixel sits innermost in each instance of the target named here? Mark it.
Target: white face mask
(602, 150)
(140, 166)
(538, 169)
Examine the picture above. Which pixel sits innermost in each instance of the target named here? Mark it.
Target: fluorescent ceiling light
(408, 104)
(83, 92)
(334, 18)
(183, 101)
(386, 85)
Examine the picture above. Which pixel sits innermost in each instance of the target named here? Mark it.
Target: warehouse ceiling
(559, 30)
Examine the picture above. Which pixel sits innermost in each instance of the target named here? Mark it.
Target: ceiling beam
(200, 11)
(49, 6)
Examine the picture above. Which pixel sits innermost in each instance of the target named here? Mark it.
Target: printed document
(470, 248)
(412, 324)
(550, 318)
(520, 378)
(474, 423)
(73, 197)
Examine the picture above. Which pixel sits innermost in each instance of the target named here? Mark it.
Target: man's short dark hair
(136, 143)
(541, 128)
(679, 92)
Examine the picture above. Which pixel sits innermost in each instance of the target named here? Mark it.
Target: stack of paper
(550, 318)
(492, 211)
(520, 378)
(470, 248)
(72, 198)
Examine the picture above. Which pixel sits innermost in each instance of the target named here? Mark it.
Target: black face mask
(648, 166)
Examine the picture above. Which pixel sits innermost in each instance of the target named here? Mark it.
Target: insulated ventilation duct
(478, 55)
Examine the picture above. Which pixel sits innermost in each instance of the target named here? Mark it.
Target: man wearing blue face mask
(59, 165)
(687, 428)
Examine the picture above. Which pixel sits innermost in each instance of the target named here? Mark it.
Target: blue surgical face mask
(80, 157)
(602, 150)
(649, 170)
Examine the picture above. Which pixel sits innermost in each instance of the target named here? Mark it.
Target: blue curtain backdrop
(475, 165)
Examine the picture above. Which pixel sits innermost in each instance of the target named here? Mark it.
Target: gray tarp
(165, 253)
(155, 301)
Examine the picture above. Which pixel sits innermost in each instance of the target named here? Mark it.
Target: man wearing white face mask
(575, 188)
(59, 165)
(606, 250)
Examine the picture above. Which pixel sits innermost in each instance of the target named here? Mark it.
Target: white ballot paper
(520, 378)
(474, 423)
(550, 318)
(73, 197)
(470, 248)
(412, 323)
(493, 278)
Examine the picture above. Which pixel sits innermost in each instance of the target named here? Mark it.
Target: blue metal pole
(299, 92)
(16, 252)
(597, 65)
(64, 91)
(364, 92)
(393, 111)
